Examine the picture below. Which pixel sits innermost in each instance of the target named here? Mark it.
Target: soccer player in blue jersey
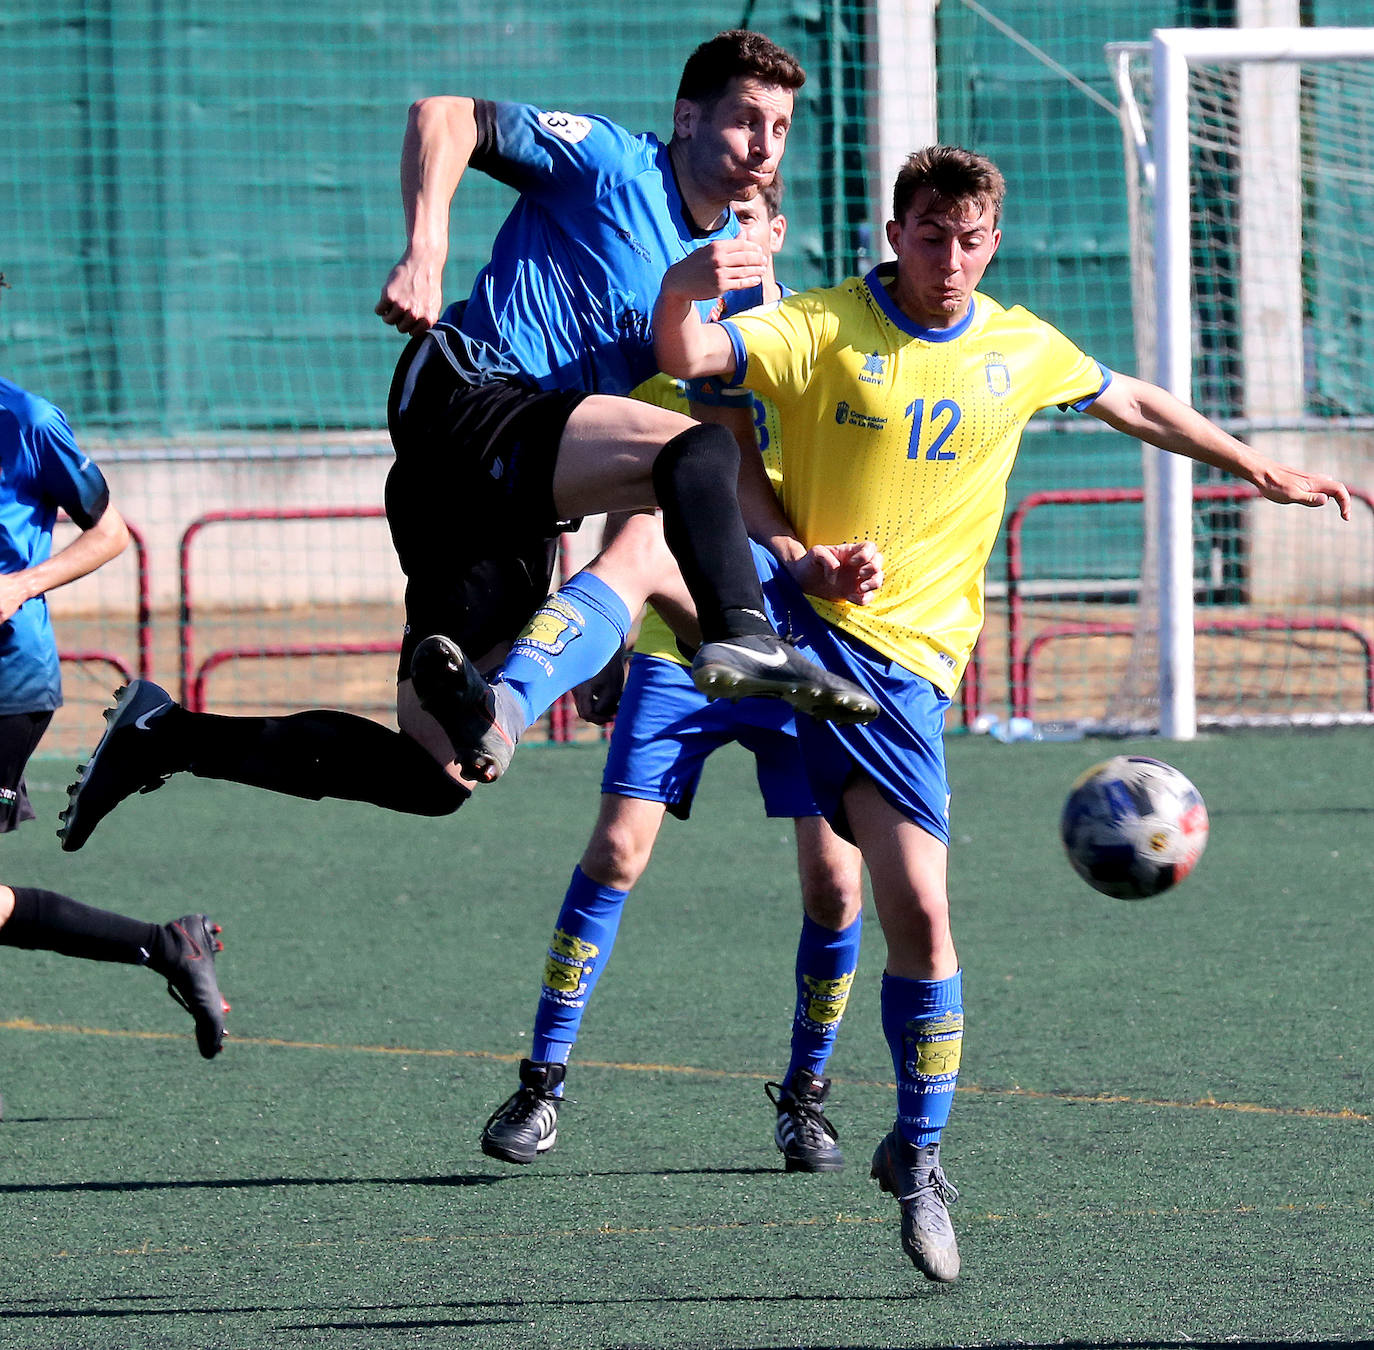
(510, 423)
(902, 396)
(664, 731)
(42, 470)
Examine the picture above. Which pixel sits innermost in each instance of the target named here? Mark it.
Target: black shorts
(19, 737)
(470, 496)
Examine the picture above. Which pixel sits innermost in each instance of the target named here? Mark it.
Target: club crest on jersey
(875, 369)
(997, 373)
(566, 126)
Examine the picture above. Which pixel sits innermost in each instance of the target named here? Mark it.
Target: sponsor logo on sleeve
(566, 126)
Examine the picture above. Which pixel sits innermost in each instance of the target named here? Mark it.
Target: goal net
(1250, 181)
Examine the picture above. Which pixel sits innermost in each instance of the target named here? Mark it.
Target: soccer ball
(1133, 827)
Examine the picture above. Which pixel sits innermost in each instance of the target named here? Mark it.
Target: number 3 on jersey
(944, 417)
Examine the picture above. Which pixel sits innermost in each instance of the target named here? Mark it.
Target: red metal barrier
(971, 691)
(195, 672)
(1020, 652)
(143, 632)
(193, 675)
(94, 658)
(1231, 626)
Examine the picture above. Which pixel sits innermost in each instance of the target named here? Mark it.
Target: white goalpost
(1247, 149)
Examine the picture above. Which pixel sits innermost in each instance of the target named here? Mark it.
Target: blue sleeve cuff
(1084, 404)
(710, 393)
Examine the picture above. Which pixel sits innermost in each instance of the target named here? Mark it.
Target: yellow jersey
(906, 436)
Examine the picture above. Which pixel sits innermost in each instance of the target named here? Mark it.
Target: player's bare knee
(615, 856)
(830, 900)
(642, 534)
(637, 559)
(831, 872)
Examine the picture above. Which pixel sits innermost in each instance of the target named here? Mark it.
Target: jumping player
(509, 425)
(903, 395)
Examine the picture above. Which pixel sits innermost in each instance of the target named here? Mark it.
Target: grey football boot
(481, 720)
(913, 1174)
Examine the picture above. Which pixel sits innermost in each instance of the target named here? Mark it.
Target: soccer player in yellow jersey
(902, 396)
(665, 730)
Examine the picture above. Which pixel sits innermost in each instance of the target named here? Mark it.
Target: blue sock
(826, 961)
(923, 1021)
(582, 942)
(570, 638)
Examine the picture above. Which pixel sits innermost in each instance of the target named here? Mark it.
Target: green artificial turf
(1164, 1133)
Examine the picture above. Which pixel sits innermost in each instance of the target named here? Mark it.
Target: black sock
(317, 754)
(44, 921)
(696, 481)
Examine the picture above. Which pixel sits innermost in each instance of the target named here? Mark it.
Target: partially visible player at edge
(43, 469)
(664, 732)
(509, 425)
(903, 395)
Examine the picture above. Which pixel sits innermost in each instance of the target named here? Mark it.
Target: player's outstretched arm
(685, 346)
(92, 548)
(441, 134)
(1154, 415)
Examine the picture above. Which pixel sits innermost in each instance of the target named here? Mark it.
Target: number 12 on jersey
(944, 417)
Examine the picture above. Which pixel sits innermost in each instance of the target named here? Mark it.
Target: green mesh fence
(202, 203)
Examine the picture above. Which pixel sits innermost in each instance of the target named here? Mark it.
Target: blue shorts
(665, 730)
(902, 750)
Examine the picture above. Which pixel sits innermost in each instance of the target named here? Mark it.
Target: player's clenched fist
(412, 297)
(710, 271)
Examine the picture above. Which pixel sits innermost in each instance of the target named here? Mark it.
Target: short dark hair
(954, 175)
(740, 53)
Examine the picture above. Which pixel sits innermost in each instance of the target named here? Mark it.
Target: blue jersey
(576, 268)
(41, 469)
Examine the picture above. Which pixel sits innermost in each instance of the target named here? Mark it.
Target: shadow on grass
(59, 1314)
(237, 1183)
(475, 1313)
(251, 1183)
